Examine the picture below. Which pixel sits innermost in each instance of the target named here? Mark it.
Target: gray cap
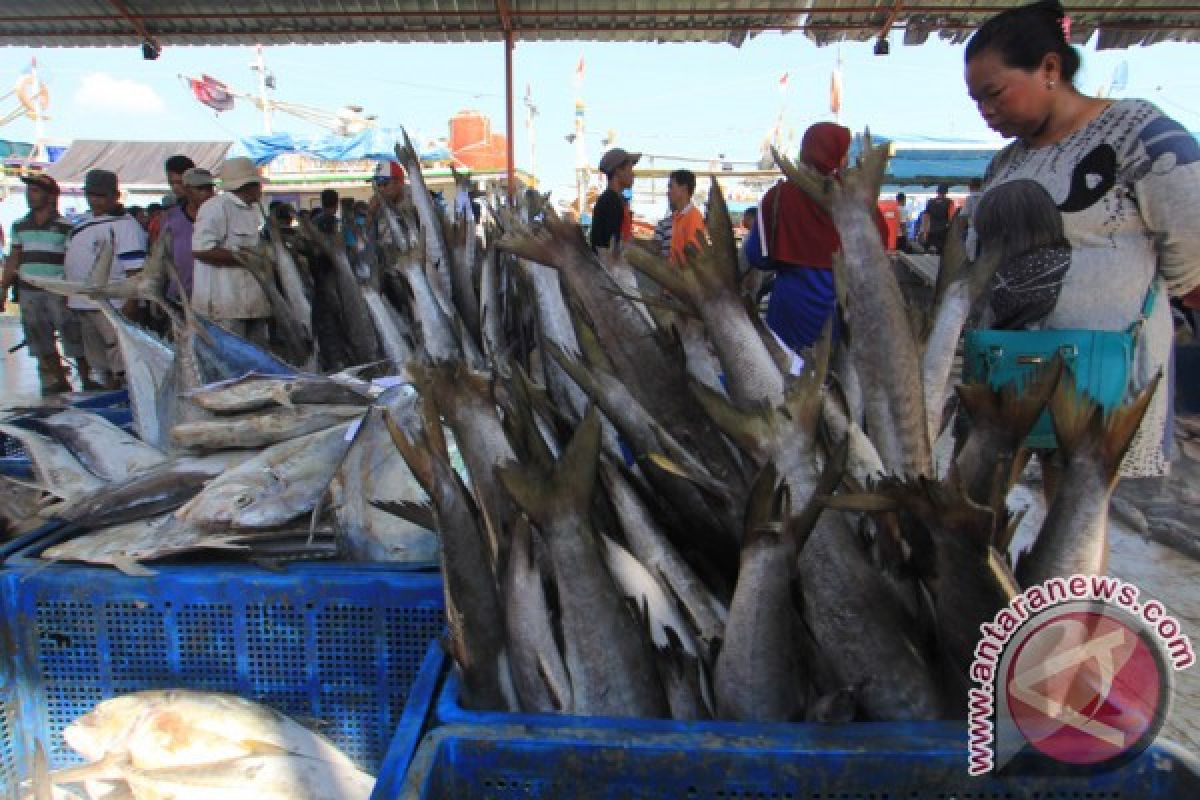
(616, 157)
(100, 181)
(198, 177)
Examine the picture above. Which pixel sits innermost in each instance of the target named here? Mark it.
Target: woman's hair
(1018, 217)
(1023, 36)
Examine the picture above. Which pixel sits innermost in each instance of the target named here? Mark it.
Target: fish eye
(243, 500)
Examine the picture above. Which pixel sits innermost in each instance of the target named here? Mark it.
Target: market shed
(153, 25)
(137, 164)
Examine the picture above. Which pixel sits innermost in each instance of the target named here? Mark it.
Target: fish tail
(1011, 408)
(1076, 417)
(565, 489)
(1121, 426)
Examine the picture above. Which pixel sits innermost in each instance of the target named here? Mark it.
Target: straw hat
(237, 172)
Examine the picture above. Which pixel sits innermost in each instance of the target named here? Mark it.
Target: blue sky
(691, 100)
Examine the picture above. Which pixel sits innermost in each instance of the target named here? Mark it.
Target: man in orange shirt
(686, 220)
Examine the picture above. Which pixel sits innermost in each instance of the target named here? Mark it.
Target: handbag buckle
(1069, 352)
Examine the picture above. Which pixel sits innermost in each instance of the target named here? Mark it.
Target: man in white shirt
(106, 221)
(222, 289)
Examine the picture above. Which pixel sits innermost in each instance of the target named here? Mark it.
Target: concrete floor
(18, 372)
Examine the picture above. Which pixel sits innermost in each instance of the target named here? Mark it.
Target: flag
(579, 71)
(212, 93)
(783, 82)
(835, 91)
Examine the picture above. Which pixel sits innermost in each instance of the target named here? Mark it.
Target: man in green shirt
(39, 241)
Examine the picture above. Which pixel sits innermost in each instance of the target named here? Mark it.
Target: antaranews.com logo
(1078, 669)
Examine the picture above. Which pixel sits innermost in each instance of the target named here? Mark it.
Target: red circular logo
(1085, 687)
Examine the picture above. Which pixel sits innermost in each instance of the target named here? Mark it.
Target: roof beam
(135, 21)
(886, 27)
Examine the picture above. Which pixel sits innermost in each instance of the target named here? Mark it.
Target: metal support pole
(508, 115)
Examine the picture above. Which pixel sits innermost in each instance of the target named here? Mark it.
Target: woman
(795, 237)
(1125, 177)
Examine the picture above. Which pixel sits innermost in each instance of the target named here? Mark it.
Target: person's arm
(1169, 202)
(12, 266)
(129, 243)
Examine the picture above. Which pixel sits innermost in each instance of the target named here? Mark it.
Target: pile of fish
(175, 743)
(667, 514)
(644, 505)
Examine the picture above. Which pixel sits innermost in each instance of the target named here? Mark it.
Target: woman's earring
(1049, 84)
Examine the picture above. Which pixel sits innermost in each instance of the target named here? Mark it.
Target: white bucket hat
(237, 172)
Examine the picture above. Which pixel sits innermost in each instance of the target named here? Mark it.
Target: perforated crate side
(9, 774)
(470, 763)
(323, 643)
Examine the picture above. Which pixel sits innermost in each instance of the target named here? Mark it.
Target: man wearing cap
(611, 218)
(221, 289)
(107, 221)
(198, 186)
(389, 179)
(39, 245)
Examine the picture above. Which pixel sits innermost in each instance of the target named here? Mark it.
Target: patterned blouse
(1128, 186)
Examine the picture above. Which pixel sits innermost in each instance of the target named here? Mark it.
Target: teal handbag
(1101, 362)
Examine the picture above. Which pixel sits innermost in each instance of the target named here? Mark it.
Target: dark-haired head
(1017, 217)
(178, 164)
(1025, 35)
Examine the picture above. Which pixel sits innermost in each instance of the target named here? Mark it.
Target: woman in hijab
(796, 238)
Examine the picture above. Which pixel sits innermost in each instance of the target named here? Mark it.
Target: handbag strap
(1147, 308)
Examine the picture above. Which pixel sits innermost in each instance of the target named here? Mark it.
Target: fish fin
(256, 747)
(671, 278)
(569, 487)
(1122, 425)
(131, 567)
(110, 767)
(812, 183)
(1079, 421)
(749, 429)
(800, 525)
(1013, 408)
(767, 505)
(417, 454)
(41, 773)
(420, 514)
(722, 251)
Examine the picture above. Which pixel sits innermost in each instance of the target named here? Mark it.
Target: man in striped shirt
(107, 222)
(39, 243)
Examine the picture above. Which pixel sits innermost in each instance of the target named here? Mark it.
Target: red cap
(389, 171)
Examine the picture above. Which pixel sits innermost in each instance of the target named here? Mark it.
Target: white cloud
(100, 91)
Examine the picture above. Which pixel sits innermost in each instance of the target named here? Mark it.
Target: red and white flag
(783, 83)
(579, 71)
(835, 90)
(212, 93)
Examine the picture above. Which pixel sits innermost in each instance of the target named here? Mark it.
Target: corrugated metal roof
(136, 163)
(77, 23)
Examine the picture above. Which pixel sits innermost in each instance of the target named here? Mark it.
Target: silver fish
(106, 450)
(261, 428)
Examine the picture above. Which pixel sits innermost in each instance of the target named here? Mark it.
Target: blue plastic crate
(816, 763)
(412, 725)
(334, 642)
(846, 759)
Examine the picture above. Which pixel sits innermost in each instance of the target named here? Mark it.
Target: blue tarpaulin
(373, 144)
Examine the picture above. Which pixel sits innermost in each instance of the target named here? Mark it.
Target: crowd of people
(1092, 209)
(206, 227)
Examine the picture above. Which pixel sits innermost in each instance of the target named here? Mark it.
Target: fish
(684, 681)
(844, 592)
(465, 398)
(540, 677)
(759, 676)
(104, 449)
(296, 338)
(255, 391)
(19, 507)
(608, 658)
(1073, 539)
(705, 613)
(133, 724)
(961, 283)
(882, 341)
(126, 545)
(373, 478)
(261, 428)
(433, 234)
(276, 485)
(435, 331)
(358, 329)
(56, 469)
(491, 308)
(153, 491)
(473, 612)
(556, 330)
(1000, 419)
(258, 777)
(463, 261)
(290, 279)
(647, 361)
(708, 282)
